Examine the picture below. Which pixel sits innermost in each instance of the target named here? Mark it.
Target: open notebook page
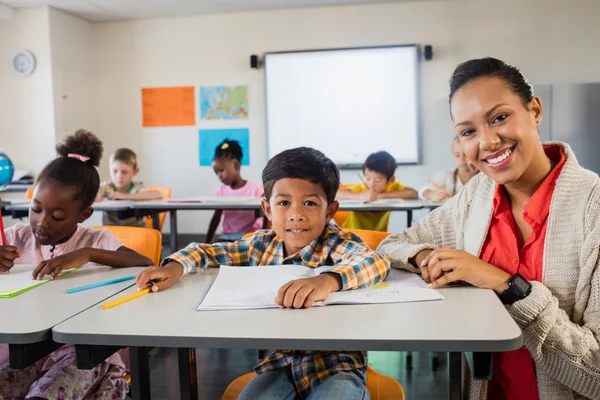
(241, 288)
(18, 280)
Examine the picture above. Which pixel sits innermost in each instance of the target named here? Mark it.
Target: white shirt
(444, 179)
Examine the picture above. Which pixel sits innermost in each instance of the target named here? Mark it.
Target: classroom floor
(218, 367)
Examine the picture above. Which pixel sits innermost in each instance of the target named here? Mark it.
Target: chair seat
(380, 386)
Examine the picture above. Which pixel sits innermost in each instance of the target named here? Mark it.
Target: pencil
(99, 284)
(363, 180)
(434, 184)
(2, 230)
(125, 299)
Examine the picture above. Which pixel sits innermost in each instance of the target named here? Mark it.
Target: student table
(21, 210)
(469, 320)
(27, 319)
(143, 208)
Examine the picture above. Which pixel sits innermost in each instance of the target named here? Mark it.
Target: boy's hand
(118, 196)
(8, 255)
(304, 292)
(164, 277)
(371, 195)
(58, 264)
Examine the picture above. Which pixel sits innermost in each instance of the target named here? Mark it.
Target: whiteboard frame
(417, 95)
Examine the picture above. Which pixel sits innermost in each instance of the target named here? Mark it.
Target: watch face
(520, 284)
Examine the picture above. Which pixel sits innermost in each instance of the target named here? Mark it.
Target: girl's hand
(439, 194)
(448, 265)
(8, 255)
(58, 264)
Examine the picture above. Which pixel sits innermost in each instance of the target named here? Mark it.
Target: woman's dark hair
(492, 68)
(229, 149)
(302, 163)
(69, 168)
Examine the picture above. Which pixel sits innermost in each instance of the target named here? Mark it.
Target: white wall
(551, 40)
(71, 47)
(26, 102)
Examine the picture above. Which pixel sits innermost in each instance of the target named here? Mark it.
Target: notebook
(216, 200)
(14, 283)
(246, 288)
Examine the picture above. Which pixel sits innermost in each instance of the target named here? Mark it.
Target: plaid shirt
(357, 265)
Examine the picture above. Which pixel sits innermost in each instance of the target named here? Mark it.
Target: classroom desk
(469, 320)
(21, 210)
(27, 319)
(153, 208)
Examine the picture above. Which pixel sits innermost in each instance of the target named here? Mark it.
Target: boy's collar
(307, 253)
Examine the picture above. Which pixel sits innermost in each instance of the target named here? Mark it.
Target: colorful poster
(224, 102)
(169, 106)
(209, 139)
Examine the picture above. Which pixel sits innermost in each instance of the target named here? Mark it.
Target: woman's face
(498, 134)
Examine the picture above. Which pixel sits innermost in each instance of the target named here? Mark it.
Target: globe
(7, 170)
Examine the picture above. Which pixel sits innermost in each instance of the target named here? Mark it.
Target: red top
(514, 371)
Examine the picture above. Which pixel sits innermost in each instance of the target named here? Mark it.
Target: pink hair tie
(78, 156)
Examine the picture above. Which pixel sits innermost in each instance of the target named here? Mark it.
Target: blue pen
(99, 284)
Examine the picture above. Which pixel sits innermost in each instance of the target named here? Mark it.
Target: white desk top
(107, 205)
(468, 320)
(28, 317)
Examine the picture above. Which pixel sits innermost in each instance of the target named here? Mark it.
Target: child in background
(227, 164)
(54, 240)
(300, 187)
(123, 168)
(379, 183)
(446, 184)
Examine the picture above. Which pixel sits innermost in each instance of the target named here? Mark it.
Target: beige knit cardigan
(560, 319)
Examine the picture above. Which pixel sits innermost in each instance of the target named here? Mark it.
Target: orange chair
(166, 193)
(380, 386)
(147, 242)
(371, 238)
(341, 216)
(29, 193)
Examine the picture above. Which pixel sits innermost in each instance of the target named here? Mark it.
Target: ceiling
(111, 10)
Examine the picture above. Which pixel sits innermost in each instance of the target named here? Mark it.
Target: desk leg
(22, 356)
(156, 221)
(454, 376)
(188, 379)
(409, 218)
(140, 373)
(173, 235)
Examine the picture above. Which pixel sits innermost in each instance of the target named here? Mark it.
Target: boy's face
(299, 211)
(376, 181)
(121, 174)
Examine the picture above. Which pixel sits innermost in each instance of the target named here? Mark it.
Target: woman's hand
(58, 264)
(445, 266)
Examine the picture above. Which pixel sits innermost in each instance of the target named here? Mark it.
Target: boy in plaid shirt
(300, 188)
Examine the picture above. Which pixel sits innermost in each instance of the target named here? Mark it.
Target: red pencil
(2, 230)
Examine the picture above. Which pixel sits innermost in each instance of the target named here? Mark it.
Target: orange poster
(169, 106)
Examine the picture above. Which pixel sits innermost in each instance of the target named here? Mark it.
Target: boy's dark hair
(381, 162)
(229, 149)
(492, 68)
(302, 163)
(126, 156)
(68, 169)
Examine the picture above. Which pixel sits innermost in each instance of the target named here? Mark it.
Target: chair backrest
(341, 216)
(147, 242)
(166, 193)
(371, 238)
(29, 193)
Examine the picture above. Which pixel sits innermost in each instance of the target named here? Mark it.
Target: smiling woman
(527, 227)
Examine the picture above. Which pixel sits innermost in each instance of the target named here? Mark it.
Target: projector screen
(347, 103)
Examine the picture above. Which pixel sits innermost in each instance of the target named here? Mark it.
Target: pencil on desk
(125, 299)
(363, 180)
(99, 284)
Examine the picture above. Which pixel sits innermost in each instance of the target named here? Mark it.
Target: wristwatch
(518, 289)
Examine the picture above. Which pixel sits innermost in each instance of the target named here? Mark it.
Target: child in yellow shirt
(380, 183)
